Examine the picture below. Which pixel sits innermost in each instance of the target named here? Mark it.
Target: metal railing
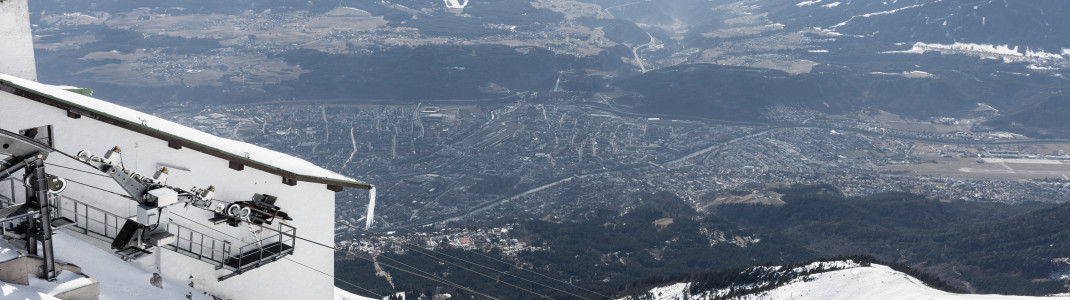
(9, 199)
(218, 252)
(198, 245)
(6, 201)
(88, 218)
(264, 251)
(280, 243)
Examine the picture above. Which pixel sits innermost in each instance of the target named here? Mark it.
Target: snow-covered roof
(289, 167)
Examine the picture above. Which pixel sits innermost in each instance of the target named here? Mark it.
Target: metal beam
(44, 219)
(30, 155)
(17, 145)
(6, 171)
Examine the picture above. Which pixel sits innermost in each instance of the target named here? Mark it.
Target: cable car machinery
(148, 230)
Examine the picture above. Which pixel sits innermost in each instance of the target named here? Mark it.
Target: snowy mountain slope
(843, 280)
(733, 283)
(340, 294)
(872, 282)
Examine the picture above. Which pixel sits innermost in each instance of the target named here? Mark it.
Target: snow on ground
(681, 291)
(340, 294)
(676, 291)
(853, 281)
(14, 291)
(826, 265)
(873, 282)
(7, 252)
(65, 281)
(118, 279)
(36, 290)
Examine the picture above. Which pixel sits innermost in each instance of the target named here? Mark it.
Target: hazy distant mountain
(919, 58)
(1039, 25)
(1010, 54)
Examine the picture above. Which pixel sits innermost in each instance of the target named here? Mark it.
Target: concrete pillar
(17, 40)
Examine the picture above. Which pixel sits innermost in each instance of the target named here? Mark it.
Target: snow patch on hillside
(79, 15)
(674, 292)
(848, 280)
(360, 11)
(872, 282)
(1041, 54)
(983, 50)
(340, 294)
(769, 276)
(1039, 60)
(825, 32)
(1040, 68)
(907, 74)
(826, 265)
(879, 13)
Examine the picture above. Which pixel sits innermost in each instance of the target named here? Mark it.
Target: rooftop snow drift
(239, 154)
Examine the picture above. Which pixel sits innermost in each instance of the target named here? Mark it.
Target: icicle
(371, 208)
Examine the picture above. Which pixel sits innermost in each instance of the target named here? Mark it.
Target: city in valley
(556, 157)
(620, 147)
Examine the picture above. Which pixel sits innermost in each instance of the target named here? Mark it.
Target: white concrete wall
(310, 205)
(16, 41)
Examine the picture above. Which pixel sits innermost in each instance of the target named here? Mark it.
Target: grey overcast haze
(604, 149)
